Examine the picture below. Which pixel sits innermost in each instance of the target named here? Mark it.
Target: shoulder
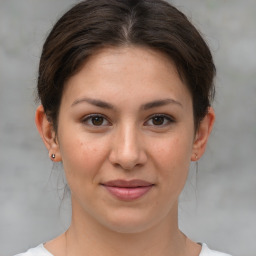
(208, 252)
(37, 251)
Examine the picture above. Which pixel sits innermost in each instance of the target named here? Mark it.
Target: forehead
(135, 59)
(127, 72)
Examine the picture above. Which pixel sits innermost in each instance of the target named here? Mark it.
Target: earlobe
(48, 134)
(202, 135)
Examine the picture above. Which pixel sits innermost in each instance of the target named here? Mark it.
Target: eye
(159, 120)
(96, 120)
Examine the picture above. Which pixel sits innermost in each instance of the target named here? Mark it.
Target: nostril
(127, 166)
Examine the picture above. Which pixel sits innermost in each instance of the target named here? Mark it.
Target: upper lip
(128, 183)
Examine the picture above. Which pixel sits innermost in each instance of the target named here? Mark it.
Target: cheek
(82, 156)
(173, 151)
(172, 161)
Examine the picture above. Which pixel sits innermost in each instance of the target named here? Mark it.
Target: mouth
(128, 190)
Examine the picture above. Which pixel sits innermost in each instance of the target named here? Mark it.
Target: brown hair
(92, 24)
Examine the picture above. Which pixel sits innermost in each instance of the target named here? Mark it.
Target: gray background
(218, 206)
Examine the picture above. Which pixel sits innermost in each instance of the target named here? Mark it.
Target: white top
(41, 251)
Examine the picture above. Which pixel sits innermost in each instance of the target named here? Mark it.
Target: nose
(127, 148)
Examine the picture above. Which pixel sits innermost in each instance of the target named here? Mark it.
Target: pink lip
(128, 190)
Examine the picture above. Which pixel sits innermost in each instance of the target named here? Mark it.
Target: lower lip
(128, 194)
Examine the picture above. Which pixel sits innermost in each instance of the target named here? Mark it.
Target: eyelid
(88, 117)
(169, 118)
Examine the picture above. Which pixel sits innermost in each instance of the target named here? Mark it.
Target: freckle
(94, 149)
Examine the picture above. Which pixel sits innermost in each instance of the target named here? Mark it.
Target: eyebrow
(149, 105)
(95, 102)
(160, 103)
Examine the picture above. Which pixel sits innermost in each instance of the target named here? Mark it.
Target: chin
(129, 222)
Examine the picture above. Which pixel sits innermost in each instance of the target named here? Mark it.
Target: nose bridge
(129, 143)
(127, 150)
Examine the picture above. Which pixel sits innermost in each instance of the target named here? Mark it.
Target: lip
(128, 190)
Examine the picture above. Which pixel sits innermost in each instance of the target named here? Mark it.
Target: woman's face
(125, 137)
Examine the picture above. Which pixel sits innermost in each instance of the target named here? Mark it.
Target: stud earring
(53, 156)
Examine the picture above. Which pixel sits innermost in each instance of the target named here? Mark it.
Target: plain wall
(218, 205)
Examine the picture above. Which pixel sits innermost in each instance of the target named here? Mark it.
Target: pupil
(98, 120)
(158, 120)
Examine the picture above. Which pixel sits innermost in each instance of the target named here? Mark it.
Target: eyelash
(167, 120)
(89, 120)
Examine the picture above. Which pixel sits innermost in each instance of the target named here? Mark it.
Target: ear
(202, 135)
(47, 133)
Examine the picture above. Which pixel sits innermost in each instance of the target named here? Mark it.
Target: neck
(88, 237)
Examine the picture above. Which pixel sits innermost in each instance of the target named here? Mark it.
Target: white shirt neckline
(205, 251)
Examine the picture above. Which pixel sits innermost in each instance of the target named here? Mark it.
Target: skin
(127, 143)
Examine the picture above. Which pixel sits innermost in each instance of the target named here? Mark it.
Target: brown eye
(158, 120)
(97, 120)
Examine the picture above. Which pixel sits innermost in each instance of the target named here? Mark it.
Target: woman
(125, 89)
